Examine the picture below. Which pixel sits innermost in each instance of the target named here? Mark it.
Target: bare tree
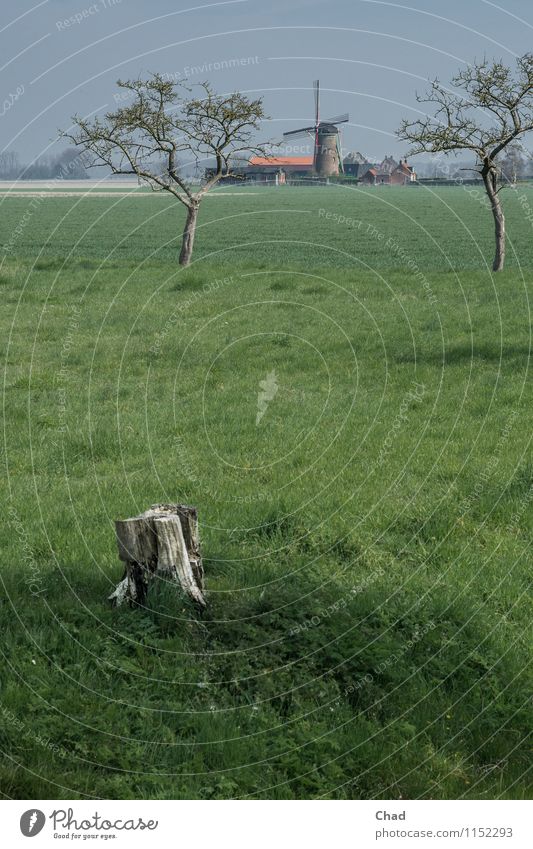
(161, 125)
(512, 163)
(69, 165)
(39, 169)
(493, 109)
(10, 166)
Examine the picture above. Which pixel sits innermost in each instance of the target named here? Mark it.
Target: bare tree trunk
(188, 234)
(163, 543)
(490, 181)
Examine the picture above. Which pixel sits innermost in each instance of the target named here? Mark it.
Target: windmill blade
(339, 154)
(316, 87)
(299, 133)
(339, 119)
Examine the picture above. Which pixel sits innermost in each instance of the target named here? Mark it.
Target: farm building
(266, 167)
(270, 169)
(388, 165)
(369, 175)
(355, 164)
(279, 169)
(386, 174)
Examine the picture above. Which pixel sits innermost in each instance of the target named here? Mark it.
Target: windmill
(327, 159)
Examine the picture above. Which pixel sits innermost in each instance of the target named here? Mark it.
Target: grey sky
(370, 57)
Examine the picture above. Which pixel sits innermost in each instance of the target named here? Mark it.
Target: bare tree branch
(163, 124)
(491, 111)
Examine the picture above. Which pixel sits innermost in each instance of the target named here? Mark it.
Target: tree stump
(163, 542)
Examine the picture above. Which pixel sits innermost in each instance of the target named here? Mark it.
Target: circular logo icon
(32, 822)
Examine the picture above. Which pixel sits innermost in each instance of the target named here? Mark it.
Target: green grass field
(367, 543)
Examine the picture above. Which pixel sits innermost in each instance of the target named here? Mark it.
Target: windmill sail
(339, 119)
(316, 86)
(303, 132)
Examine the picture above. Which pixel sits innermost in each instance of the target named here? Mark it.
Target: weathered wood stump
(162, 542)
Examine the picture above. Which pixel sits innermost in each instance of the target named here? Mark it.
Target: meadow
(367, 542)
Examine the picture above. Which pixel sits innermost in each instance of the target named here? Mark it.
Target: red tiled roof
(277, 161)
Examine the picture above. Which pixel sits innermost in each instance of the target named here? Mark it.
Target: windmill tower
(327, 160)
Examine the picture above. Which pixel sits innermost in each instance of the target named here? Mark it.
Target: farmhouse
(388, 165)
(389, 173)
